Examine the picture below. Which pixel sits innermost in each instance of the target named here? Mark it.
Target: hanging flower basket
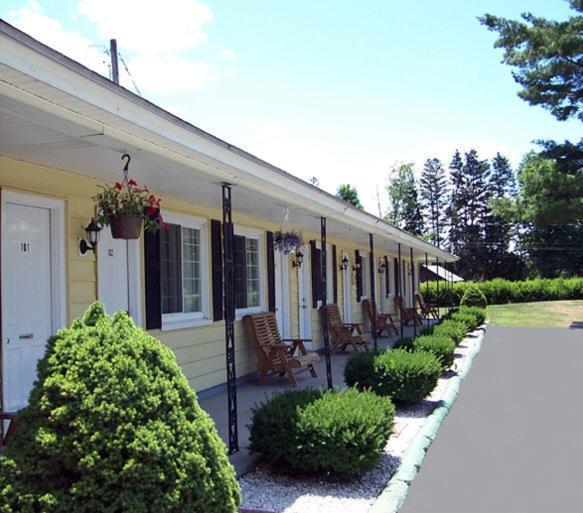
(126, 207)
(288, 241)
(126, 227)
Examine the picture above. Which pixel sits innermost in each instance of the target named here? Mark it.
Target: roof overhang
(81, 122)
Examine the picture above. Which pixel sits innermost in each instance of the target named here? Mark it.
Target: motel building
(63, 131)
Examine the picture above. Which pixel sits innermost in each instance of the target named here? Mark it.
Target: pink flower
(132, 182)
(118, 186)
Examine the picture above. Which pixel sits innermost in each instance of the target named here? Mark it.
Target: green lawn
(541, 314)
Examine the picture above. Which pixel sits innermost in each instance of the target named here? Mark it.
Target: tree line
(502, 222)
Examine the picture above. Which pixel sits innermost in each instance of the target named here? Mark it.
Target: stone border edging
(392, 497)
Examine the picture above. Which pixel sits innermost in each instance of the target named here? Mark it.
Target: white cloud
(227, 54)
(49, 31)
(148, 26)
(168, 74)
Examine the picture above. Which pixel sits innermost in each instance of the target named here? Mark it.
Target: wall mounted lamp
(356, 267)
(344, 264)
(382, 265)
(297, 261)
(92, 230)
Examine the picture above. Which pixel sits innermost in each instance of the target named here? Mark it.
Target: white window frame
(254, 233)
(173, 321)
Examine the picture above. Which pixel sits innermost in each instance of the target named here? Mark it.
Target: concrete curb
(392, 497)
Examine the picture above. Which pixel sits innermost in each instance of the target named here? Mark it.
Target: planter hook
(126, 167)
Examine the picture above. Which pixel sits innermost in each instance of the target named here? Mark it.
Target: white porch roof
(57, 113)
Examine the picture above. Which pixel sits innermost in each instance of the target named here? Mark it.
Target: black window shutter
(316, 263)
(334, 274)
(387, 277)
(358, 263)
(217, 269)
(396, 275)
(239, 257)
(270, 273)
(152, 280)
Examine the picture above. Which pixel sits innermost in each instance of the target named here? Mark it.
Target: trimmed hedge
(442, 348)
(112, 425)
(454, 330)
(478, 313)
(468, 319)
(359, 370)
(340, 434)
(500, 291)
(406, 377)
(473, 296)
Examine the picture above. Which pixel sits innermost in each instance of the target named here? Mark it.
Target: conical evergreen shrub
(113, 426)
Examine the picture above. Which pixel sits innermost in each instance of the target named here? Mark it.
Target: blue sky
(334, 89)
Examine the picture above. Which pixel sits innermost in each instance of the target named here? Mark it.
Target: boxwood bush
(406, 377)
(454, 330)
(339, 434)
(473, 296)
(112, 425)
(359, 370)
(439, 346)
(468, 319)
(478, 313)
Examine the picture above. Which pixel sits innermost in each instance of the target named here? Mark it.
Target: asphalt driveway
(513, 441)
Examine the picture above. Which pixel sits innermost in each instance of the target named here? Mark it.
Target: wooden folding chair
(384, 322)
(11, 418)
(342, 334)
(273, 353)
(425, 309)
(406, 314)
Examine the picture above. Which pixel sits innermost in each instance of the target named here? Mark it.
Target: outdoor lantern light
(382, 265)
(356, 267)
(344, 264)
(92, 230)
(297, 262)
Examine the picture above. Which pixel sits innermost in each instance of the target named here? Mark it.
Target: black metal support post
(373, 276)
(229, 302)
(413, 291)
(426, 281)
(437, 288)
(325, 333)
(399, 285)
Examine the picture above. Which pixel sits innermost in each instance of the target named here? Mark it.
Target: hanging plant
(125, 207)
(287, 239)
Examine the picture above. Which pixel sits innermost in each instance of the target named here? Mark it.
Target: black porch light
(297, 261)
(356, 267)
(344, 264)
(92, 230)
(382, 265)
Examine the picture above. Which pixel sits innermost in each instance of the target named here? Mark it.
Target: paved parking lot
(513, 441)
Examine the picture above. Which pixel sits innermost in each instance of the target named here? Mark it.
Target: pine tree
(500, 231)
(404, 210)
(456, 204)
(433, 192)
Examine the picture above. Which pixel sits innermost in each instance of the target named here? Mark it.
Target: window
(182, 272)
(248, 271)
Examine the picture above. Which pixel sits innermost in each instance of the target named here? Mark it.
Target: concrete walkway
(513, 441)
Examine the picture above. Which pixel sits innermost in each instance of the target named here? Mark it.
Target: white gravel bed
(264, 489)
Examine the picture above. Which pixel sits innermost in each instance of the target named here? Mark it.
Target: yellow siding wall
(199, 351)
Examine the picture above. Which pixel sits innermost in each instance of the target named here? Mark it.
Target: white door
(347, 290)
(282, 313)
(305, 296)
(112, 272)
(27, 298)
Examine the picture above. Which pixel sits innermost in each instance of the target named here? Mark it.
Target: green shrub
(473, 296)
(339, 434)
(454, 330)
(406, 377)
(112, 425)
(442, 348)
(478, 313)
(467, 318)
(359, 370)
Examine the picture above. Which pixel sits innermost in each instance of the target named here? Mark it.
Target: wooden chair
(425, 309)
(11, 418)
(384, 322)
(342, 334)
(272, 352)
(406, 314)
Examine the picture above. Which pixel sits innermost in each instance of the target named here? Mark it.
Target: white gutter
(200, 150)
